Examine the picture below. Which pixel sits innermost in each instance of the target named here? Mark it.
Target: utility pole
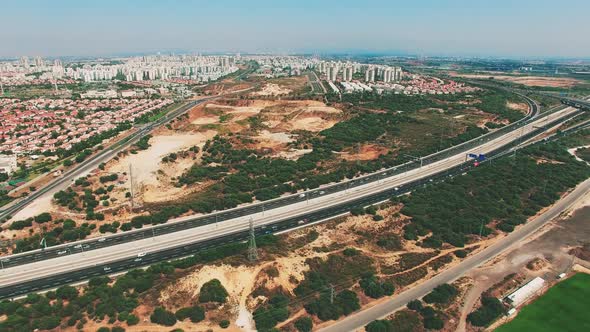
(252, 251)
(481, 228)
(131, 185)
(414, 158)
(331, 294)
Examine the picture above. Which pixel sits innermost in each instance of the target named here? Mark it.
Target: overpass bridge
(577, 103)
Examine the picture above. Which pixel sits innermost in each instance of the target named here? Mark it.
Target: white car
(137, 260)
(79, 246)
(322, 192)
(301, 195)
(62, 252)
(106, 268)
(141, 254)
(102, 239)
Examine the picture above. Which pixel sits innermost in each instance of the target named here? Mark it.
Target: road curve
(46, 273)
(251, 209)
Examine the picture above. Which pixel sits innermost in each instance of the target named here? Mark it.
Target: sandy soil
(150, 176)
(522, 107)
(572, 151)
(366, 152)
(271, 89)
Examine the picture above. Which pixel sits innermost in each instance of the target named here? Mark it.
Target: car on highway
(141, 254)
(102, 239)
(62, 252)
(106, 268)
(301, 195)
(322, 192)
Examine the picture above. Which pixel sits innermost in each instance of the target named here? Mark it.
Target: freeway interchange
(68, 263)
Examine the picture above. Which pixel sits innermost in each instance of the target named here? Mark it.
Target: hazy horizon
(528, 29)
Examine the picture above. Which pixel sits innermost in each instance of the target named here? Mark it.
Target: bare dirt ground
(249, 284)
(271, 89)
(556, 82)
(366, 152)
(546, 254)
(522, 107)
(281, 86)
(151, 178)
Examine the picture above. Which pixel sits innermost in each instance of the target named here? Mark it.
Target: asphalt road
(362, 318)
(66, 179)
(251, 209)
(78, 266)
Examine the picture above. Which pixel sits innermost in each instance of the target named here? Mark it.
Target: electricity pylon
(252, 250)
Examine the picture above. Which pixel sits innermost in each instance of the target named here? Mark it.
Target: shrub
(304, 324)
(441, 294)
(357, 211)
(163, 317)
(213, 291)
(43, 218)
(433, 323)
(350, 252)
(461, 253)
(415, 305)
(132, 319)
(379, 326)
(196, 314)
(377, 217)
(67, 292)
(490, 310)
(224, 324)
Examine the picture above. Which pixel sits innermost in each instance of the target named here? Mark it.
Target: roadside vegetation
(498, 195)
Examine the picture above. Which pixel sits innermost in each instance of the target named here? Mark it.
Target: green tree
(213, 291)
(304, 324)
(162, 317)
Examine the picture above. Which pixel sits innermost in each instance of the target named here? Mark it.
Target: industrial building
(522, 294)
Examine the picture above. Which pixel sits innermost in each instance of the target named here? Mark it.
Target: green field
(563, 308)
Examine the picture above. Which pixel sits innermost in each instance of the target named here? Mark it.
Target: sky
(515, 28)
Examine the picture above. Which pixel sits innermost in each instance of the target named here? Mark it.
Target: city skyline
(452, 28)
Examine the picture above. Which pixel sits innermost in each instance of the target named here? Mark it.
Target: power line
(252, 250)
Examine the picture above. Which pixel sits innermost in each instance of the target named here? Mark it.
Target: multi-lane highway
(91, 163)
(195, 221)
(73, 266)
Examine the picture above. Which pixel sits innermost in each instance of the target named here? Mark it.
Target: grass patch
(562, 308)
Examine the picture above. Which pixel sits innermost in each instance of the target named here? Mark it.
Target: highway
(250, 209)
(75, 266)
(91, 163)
(398, 301)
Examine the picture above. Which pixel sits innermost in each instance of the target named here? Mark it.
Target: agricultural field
(562, 308)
